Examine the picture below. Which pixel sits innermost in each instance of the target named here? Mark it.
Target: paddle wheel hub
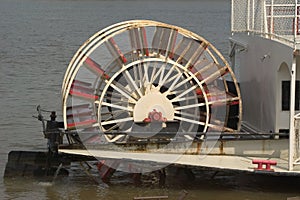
(157, 103)
(155, 116)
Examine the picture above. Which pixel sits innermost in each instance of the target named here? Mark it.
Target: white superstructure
(265, 45)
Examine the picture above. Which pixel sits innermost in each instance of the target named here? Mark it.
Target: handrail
(268, 18)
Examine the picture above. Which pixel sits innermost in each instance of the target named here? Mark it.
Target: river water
(37, 40)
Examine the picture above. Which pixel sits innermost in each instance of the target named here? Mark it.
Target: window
(285, 98)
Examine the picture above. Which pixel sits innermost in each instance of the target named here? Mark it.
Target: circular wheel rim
(123, 67)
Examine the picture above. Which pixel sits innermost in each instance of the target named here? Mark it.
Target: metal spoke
(174, 87)
(161, 76)
(189, 106)
(113, 112)
(186, 114)
(117, 121)
(153, 78)
(111, 128)
(184, 93)
(116, 106)
(185, 99)
(189, 120)
(123, 92)
(214, 75)
(146, 76)
(223, 100)
(132, 83)
(115, 115)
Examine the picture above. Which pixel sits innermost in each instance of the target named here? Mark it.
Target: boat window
(285, 98)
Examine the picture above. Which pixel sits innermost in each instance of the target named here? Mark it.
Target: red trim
(83, 95)
(95, 67)
(171, 54)
(79, 87)
(117, 49)
(83, 123)
(145, 41)
(89, 113)
(236, 102)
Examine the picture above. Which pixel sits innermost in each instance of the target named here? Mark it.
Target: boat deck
(225, 155)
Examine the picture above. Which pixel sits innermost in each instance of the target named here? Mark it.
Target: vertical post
(295, 22)
(265, 19)
(248, 16)
(292, 114)
(272, 19)
(232, 14)
(252, 16)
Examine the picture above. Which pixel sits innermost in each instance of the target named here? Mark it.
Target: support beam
(292, 114)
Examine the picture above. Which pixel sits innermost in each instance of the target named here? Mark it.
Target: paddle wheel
(139, 78)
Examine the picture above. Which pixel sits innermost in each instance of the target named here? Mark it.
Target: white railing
(270, 18)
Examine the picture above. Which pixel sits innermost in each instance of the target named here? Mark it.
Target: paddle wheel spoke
(190, 106)
(116, 121)
(189, 120)
(184, 93)
(132, 83)
(192, 115)
(116, 106)
(123, 92)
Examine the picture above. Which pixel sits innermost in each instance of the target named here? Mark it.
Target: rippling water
(37, 40)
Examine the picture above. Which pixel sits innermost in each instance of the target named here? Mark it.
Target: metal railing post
(292, 114)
